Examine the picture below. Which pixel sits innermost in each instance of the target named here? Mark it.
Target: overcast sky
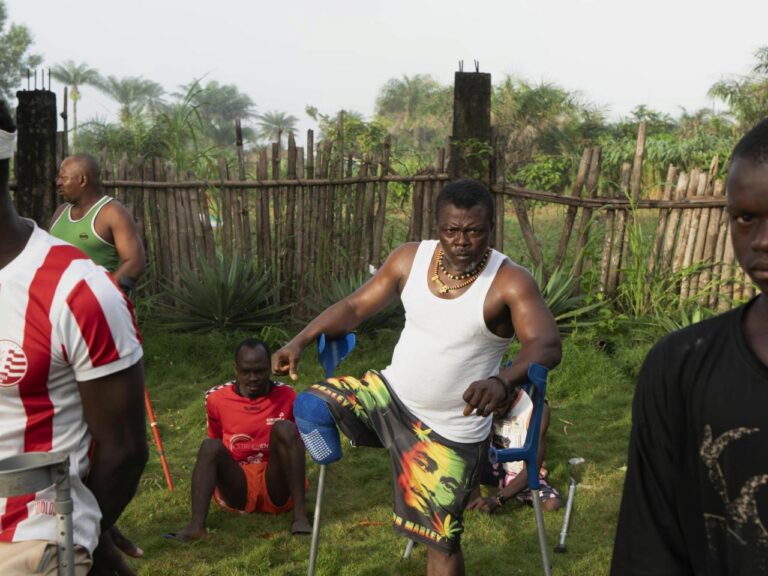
(336, 54)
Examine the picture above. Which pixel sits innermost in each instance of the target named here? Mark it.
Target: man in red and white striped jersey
(71, 381)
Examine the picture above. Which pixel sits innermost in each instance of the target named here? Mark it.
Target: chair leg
(316, 522)
(408, 549)
(542, 534)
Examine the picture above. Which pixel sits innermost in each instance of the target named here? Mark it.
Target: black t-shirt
(696, 492)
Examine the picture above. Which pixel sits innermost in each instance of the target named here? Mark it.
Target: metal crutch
(330, 353)
(35, 471)
(536, 389)
(576, 469)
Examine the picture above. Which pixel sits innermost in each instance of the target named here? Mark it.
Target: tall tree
(417, 109)
(746, 96)
(75, 75)
(276, 126)
(15, 42)
(218, 106)
(134, 94)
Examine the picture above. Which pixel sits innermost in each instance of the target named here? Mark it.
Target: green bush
(223, 295)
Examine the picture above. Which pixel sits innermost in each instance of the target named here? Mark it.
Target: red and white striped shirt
(62, 320)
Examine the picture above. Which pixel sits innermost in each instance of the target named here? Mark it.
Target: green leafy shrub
(334, 289)
(562, 294)
(222, 295)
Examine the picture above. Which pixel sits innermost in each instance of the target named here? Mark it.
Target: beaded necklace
(468, 278)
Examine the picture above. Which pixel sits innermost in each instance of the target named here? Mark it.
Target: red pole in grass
(158, 441)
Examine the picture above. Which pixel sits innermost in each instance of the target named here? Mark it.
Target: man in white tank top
(431, 406)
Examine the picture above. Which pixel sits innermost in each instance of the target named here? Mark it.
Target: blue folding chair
(330, 353)
(536, 388)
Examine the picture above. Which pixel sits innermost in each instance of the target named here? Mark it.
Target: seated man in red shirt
(253, 458)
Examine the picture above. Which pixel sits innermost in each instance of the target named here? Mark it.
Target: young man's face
(465, 234)
(252, 372)
(748, 210)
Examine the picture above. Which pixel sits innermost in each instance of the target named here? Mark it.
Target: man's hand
(484, 396)
(107, 559)
(488, 505)
(286, 360)
(6, 120)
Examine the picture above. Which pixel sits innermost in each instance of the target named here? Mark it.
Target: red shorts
(258, 496)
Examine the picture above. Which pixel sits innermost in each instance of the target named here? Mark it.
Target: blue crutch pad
(536, 388)
(317, 428)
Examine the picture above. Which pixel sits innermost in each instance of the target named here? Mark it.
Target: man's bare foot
(186, 535)
(301, 527)
(124, 544)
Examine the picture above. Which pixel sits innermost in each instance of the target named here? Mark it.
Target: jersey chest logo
(13, 363)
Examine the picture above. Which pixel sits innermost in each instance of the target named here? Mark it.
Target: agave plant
(334, 289)
(223, 295)
(561, 294)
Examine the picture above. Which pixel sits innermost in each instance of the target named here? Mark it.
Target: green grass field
(590, 395)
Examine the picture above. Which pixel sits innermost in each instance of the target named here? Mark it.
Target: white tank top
(444, 347)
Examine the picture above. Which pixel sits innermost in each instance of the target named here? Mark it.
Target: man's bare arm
(535, 329)
(125, 236)
(347, 314)
(113, 407)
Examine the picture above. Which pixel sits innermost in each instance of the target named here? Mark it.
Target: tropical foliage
(223, 295)
(15, 55)
(75, 75)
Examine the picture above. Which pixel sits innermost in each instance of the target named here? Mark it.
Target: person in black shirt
(696, 492)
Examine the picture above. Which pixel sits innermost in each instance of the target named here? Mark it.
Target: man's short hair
(754, 144)
(252, 344)
(466, 194)
(89, 165)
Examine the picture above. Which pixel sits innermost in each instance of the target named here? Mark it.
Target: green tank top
(82, 233)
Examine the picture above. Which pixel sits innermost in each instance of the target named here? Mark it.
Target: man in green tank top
(97, 224)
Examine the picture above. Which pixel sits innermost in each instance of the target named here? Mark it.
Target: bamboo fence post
(710, 246)
(302, 222)
(635, 185)
(290, 216)
(357, 238)
(663, 217)
(180, 200)
(154, 258)
(417, 213)
(225, 213)
(690, 244)
(582, 236)
(265, 228)
(173, 228)
(667, 255)
(426, 211)
(702, 229)
(369, 228)
(381, 210)
(618, 247)
(570, 215)
(196, 216)
(312, 205)
(245, 209)
(723, 238)
(164, 229)
(277, 220)
(498, 176)
(685, 223)
(193, 225)
(532, 243)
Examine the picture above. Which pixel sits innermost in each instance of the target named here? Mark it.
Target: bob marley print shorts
(433, 476)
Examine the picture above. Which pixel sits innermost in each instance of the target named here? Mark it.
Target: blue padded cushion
(317, 428)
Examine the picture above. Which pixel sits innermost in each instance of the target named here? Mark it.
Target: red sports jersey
(62, 320)
(243, 424)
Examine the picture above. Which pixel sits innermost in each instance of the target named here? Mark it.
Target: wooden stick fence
(307, 214)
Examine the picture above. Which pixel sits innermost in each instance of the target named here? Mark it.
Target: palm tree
(218, 106)
(276, 126)
(74, 76)
(134, 94)
(416, 108)
(746, 96)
